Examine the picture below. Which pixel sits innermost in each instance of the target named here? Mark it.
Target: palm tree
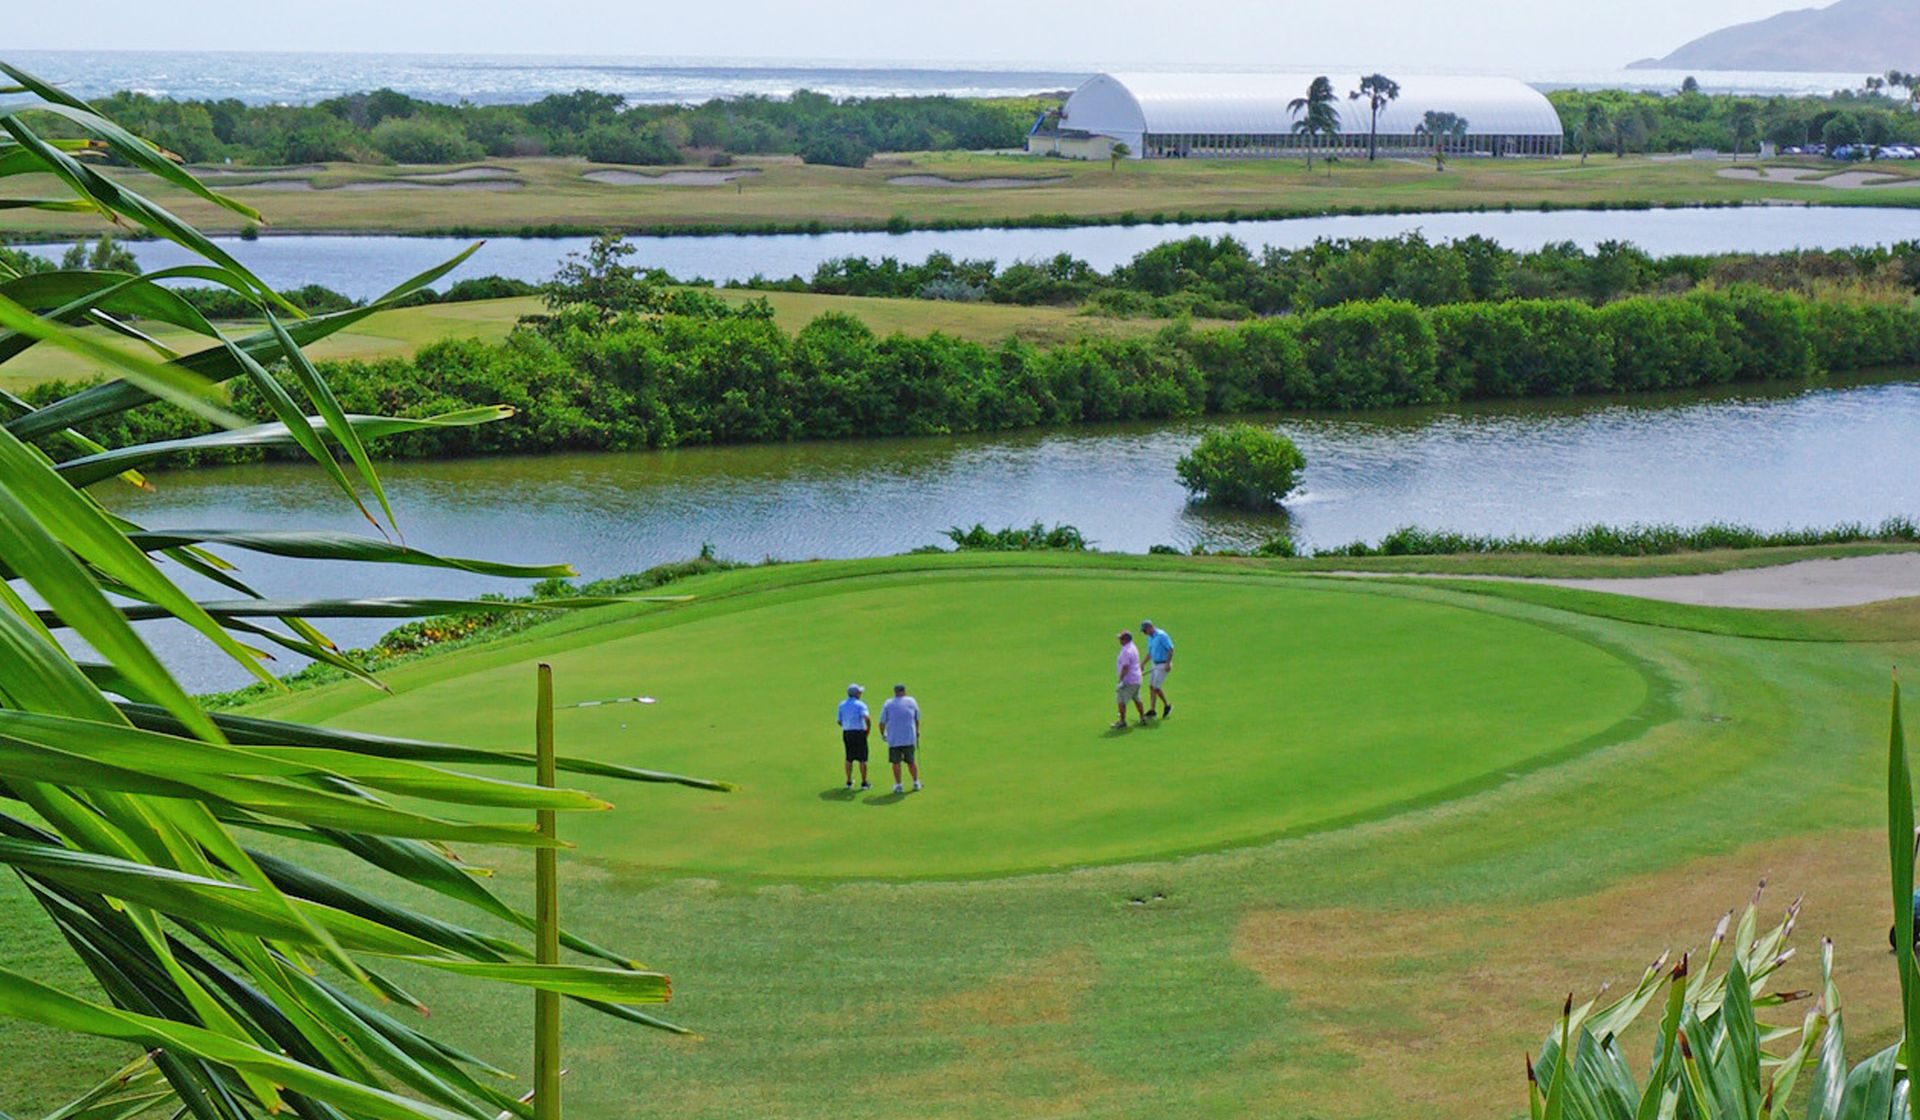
(1592, 122)
(1743, 120)
(1441, 129)
(1378, 90)
(1115, 154)
(1316, 114)
(134, 816)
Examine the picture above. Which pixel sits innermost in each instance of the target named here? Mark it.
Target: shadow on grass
(839, 793)
(887, 799)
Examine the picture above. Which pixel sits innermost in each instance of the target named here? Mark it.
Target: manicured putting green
(1296, 705)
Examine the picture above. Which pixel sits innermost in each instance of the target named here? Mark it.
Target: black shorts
(897, 755)
(856, 742)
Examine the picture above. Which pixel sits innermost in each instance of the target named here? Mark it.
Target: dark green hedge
(640, 381)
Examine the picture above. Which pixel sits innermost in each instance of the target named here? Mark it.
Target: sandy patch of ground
(1845, 180)
(1849, 581)
(226, 172)
(986, 184)
(464, 174)
(1845, 582)
(1434, 1007)
(440, 185)
(667, 178)
(383, 185)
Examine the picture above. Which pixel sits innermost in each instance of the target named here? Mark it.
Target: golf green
(1298, 704)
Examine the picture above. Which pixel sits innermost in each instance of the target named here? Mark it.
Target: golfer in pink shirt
(1128, 667)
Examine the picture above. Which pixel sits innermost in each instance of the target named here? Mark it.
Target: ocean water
(301, 78)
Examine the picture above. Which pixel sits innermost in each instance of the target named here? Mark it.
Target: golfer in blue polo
(855, 725)
(1160, 663)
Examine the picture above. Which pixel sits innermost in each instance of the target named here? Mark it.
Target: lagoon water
(1770, 459)
(365, 266)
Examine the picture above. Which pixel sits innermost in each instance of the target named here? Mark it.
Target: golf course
(547, 194)
(1392, 823)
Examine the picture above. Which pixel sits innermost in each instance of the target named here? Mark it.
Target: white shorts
(1157, 676)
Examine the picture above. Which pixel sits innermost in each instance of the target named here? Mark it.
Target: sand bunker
(382, 185)
(465, 174)
(1845, 582)
(442, 185)
(1849, 581)
(667, 178)
(1845, 180)
(988, 184)
(254, 172)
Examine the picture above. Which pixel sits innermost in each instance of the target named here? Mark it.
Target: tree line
(691, 368)
(1222, 278)
(1619, 122)
(387, 126)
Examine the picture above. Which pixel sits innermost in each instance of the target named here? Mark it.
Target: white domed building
(1223, 116)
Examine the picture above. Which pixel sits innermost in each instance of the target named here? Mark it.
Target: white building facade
(1216, 116)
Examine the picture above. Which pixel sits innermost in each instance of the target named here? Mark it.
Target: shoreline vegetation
(686, 367)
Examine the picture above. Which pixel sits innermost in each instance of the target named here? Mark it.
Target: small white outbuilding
(1213, 116)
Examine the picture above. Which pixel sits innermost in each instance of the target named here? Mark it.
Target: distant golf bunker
(1804, 176)
(990, 183)
(616, 177)
(439, 183)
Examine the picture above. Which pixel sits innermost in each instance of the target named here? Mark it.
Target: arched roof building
(1219, 115)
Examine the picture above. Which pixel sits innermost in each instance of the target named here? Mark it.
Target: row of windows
(1177, 145)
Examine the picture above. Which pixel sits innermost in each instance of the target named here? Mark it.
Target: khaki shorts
(1157, 676)
(1127, 692)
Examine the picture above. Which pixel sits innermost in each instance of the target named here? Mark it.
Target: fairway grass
(552, 193)
(1396, 964)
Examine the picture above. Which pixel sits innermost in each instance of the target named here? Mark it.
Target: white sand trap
(987, 184)
(381, 185)
(667, 178)
(442, 185)
(465, 174)
(1804, 585)
(252, 172)
(1808, 584)
(1845, 180)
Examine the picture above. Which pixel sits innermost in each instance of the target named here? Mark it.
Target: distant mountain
(1858, 36)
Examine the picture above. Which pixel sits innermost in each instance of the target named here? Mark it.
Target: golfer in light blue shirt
(855, 724)
(1160, 654)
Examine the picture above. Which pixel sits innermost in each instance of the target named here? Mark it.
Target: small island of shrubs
(1243, 465)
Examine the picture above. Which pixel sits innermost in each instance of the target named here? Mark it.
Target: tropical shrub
(1665, 344)
(251, 982)
(1712, 1054)
(1370, 355)
(1243, 466)
(1033, 538)
(1520, 348)
(413, 140)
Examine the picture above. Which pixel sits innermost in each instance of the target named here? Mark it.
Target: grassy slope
(552, 192)
(397, 333)
(1391, 968)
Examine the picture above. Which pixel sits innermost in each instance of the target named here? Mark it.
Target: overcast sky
(1497, 35)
